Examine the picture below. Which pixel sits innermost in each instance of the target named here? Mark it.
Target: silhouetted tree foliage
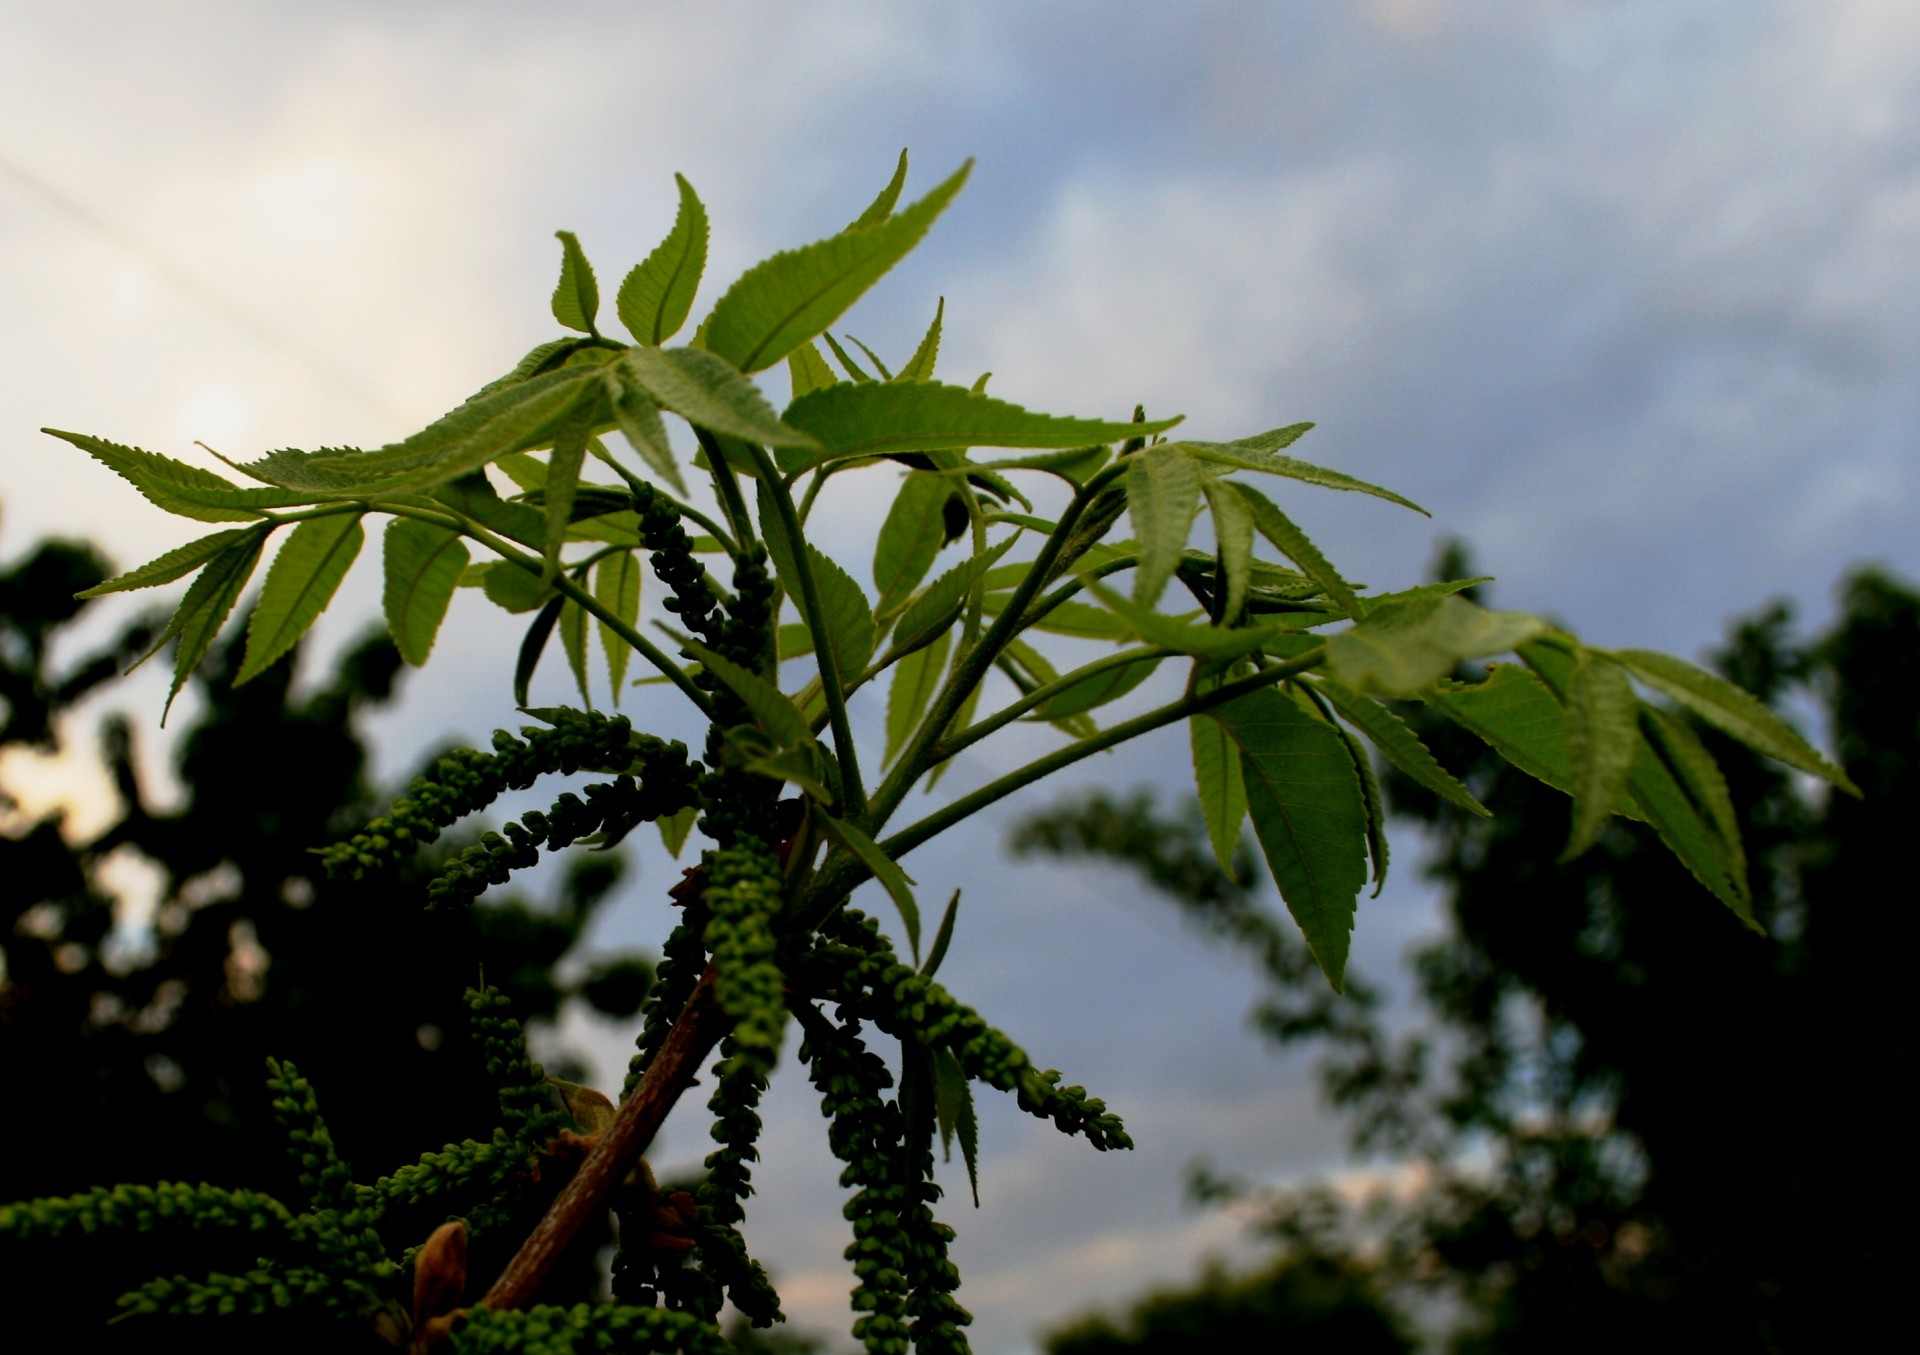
(1639, 1118)
(139, 1053)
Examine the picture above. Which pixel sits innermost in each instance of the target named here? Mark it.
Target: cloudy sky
(1627, 293)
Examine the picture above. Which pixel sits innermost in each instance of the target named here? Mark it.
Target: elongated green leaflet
(1290, 541)
(779, 304)
(1403, 648)
(1256, 454)
(657, 295)
(1233, 537)
(563, 483)
(423, 564)
(1732, 710)
(1223, 791)
(616, 587)
(777, 715)
(885, 869)
(910, 537)
(576, 640)
(532, 645)
(706, 391)
(942, 937)
(576, 299)
(1700, 776)
(301, 582)
(920, 366)
(175, 564)
(1386, 731)
(1096, 690)
(1603, 731)
(1308, 813)
(1163, 498)
(953, 1104)
(207, 605)
(882, 206)
(186, 491)
(845, 616)
(916, 679)
(808, 371)
(876, 417)
(940, 601)
(638, 419)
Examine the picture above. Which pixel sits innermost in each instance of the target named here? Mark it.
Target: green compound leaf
(1223, 790)
(778, 716)
(423, 564)
(882, 206)
(920, 366)
(616, 586)
(953, 1107)
(176, 563)
(513, 419)
(1293, 543)
(657, 295)
(873, 418)
(1163, 498)
(910, 537)
(939, 603)
(1399, 744)
(1732, 711)
(186, 491)
(207, 605)
(808, 371)
(886, 870)
(1258, 454)
(916, 679)
(844, 614)
(576, 299)
(782, 302)
(1309, 814)
(301, 582)
(1403, 648)
(639, 421)
(1603, 735)
(705, 390)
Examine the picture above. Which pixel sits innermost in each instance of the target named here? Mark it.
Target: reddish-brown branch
(692, 1039)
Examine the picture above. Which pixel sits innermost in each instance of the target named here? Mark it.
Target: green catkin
(683, 958)
(937, 1317)
(865, 1133)
(722, 1195)
(455, 1168)
(586, 1329)
(744, 885)
(259, 1291)
(143, 1209)
(527, 1102)
(854, 962)
(467, 780)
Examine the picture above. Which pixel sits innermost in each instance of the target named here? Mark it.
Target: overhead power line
(262, 329)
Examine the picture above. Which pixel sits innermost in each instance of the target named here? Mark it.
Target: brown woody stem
(693, 1037)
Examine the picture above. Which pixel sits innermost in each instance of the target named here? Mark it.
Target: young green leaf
(1378, 849)
(576, 299)
(1397, 741)
(1077, 619)
(942, 937)
(855, 372)
(1402, 648)
(301, 582)
(533, 644)
(616, 586)
(916, 679)
(1076, 465)
(844, 615)
(184, 490)
(882, 207)
(704, 390)
(1233, 535)
(871, 419)
(808, 371)
(1293, 543)
(674, 829)
(1183, 637)
(516, 418)
(513, 589)
(638, 418)
(1163, 498)
(1603, 737)
(777, 715)
(962, 718)
(574, 639)
(910, 536)
(563, 482)
(885, 869)
(179, 561)
(1030, 670)
(1223, 791)
(783, 301)
(1097, 690)
(1731, 710)
(939, 603)
(953, 1107)
(872, 357)
(1309, 815)
(1255, 454)
(207, 605)
(656, 296)
(1693, 766)
(1693, 837)
(920, 366)
(472, 496)
(423, 564)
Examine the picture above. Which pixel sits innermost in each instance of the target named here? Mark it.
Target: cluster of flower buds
(171, 1204)
(585, 1329)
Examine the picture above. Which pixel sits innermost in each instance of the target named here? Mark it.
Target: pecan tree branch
(694, 1035)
